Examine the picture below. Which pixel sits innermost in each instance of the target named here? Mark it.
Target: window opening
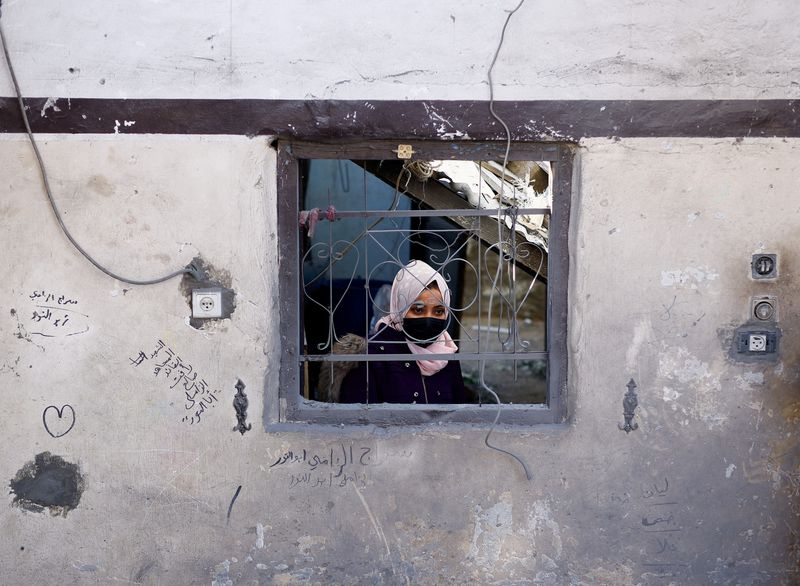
(364, 221)
(351, 214)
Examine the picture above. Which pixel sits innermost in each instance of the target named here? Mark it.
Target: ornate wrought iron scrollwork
(629, 403)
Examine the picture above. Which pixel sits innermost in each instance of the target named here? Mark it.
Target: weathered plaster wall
(705, 491)
(660, 275)
(420, 50)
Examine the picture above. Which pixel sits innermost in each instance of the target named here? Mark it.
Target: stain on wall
(47, 482)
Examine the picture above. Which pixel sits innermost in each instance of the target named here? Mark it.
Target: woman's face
(429, 303)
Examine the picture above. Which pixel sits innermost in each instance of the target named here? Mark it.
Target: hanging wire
(188, 270)
(498, 272)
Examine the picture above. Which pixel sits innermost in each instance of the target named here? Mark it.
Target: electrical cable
(498, 272)
(491, 88)
(189, 270)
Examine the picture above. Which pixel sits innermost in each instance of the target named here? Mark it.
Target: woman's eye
(439, 311)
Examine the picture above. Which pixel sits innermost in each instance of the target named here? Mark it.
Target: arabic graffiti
(333, 467)
(200, 397)
(656, 521)
(660, 521)
(47, 315)
(53, 315)
(655, 489)
(45, 297)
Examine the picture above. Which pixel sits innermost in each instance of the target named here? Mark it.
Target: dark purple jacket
(400, 381)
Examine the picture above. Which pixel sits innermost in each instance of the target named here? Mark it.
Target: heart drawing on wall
(58, 422)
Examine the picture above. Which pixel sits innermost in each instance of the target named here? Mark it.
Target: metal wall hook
(629, 404)
(240, 403)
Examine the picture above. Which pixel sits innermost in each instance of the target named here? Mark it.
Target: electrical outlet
(764, 266)
(757, 343)
(764, 308)
(206, 303)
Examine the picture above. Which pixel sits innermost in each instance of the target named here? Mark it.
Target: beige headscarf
(408, 284)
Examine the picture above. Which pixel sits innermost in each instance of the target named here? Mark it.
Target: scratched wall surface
(388, 50)
(704, 492)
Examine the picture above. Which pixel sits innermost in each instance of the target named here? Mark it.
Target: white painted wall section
(333, 49)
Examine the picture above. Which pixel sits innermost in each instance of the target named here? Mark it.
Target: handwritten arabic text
(200, 397)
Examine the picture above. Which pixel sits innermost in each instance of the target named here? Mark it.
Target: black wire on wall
(188, 270)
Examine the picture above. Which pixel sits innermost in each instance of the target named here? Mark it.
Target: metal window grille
(327, 275)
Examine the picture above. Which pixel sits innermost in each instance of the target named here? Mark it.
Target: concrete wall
(705, 491)
(387, 50)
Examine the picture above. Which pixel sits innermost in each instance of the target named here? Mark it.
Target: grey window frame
(294, 408)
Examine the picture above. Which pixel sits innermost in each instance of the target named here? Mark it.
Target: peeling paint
(497, 542)
(49, 103)
(698, 383)
(221, 576)
(492, 526)
(621, 575)
(748, 380)
(642, 333)
(689, 277)
(259, 536)
(454, 135)
(541, 522)
(305, 543)
(678, 363)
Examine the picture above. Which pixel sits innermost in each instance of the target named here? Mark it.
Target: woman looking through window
(416, 325)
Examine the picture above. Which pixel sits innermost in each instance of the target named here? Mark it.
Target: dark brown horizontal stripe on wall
(563, 120)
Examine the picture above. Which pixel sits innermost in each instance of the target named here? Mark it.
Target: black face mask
(423, 331)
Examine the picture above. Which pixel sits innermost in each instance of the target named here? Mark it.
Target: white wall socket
(757, 343)
(206, 303)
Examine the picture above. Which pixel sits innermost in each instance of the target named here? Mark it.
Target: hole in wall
(47, 482)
